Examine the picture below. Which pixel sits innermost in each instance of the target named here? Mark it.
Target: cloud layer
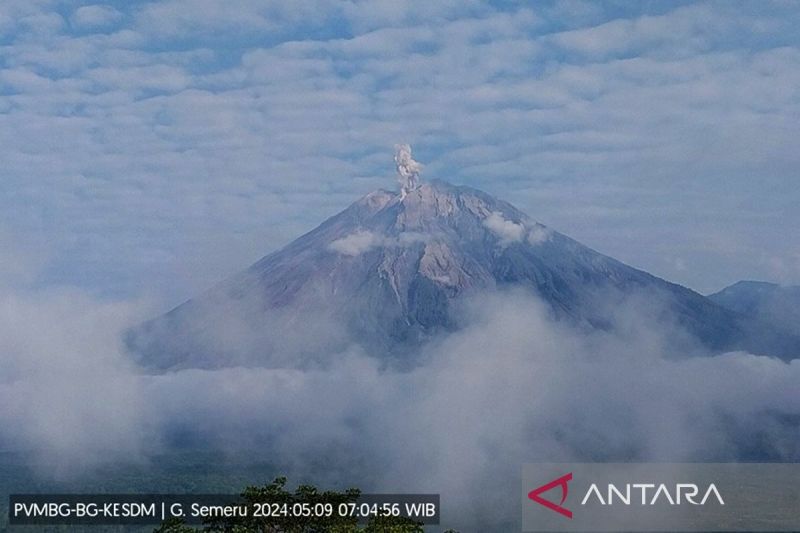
(511, 386)
(167, 145)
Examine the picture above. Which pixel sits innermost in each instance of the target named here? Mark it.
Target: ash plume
(407, 169)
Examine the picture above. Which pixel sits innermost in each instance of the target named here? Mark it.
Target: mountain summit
(386, 272)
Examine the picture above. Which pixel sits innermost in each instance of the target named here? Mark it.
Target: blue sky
(156, 147)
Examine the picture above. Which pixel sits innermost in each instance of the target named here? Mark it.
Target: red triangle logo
(560, 482)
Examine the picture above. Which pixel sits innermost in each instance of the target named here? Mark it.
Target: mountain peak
(437, 201)
(755, 284)
(385, 272)
(376, 200)
(424, 206)
(437, 206)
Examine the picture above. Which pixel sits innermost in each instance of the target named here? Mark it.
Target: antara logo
(682, 492)
(559, 482)
(648, 494)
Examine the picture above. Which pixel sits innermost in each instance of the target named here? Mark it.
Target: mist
(511, 385)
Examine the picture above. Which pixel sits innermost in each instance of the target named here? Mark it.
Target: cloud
(510, 386)
(145, 148)
(363, 241)
(22, 262)
(538, 234)
(182, 20)
(356, 243)
(385, 13)
(506, 230)
(67, 388)
(95, 17)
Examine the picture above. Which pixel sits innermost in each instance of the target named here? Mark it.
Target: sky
(154, 148)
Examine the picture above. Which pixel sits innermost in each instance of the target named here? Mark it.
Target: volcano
(386, 272)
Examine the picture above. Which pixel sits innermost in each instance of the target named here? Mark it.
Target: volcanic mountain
(774, 308)
(387, 271)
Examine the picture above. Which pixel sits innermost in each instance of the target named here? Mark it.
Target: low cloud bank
(510, 386)
(67, 391)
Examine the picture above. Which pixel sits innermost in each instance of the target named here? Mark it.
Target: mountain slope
(767, 307)
(386, 272)
(752, 298)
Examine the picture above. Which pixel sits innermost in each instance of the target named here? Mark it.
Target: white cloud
(506, 230)
(67, 387)
(356, 243)
(367, 16)
(187, 19)
(152, 77)
(363, 241)
(461, 424)
(538, 234)
(95, 17)
(144, 160)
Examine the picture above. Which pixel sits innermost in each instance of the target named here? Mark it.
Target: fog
(510, 386)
